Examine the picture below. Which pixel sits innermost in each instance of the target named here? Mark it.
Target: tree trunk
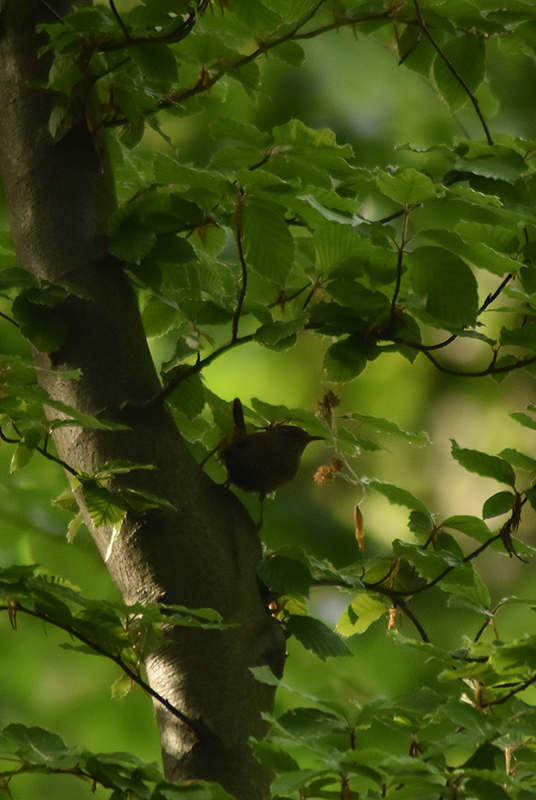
(204, 554)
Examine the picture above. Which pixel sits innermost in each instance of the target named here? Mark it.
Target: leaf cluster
(30, 749)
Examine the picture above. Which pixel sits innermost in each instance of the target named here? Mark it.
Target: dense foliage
(266, 233)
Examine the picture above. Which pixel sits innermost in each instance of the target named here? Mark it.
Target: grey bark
(204, 554)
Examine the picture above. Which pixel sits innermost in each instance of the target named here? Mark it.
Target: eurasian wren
(263, 462)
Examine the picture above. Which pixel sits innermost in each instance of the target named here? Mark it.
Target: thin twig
(454, 71)
(13, 322)
(43, 452)
(520, 688)
(439, 578)
(120, 22)
(397, 600)
(242, 294)
(491, 369)
(399, 263)
(53, 11)
(176, 35)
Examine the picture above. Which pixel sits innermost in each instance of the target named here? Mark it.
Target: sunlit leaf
(484, 465)
(104, 507)
(361, 613)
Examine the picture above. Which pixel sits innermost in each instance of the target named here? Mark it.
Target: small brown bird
(263, 462)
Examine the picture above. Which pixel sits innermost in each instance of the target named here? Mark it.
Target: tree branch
(491, 369)
(183, 375)
(197, 726)
(207, 80)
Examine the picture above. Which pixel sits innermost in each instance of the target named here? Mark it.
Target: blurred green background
(351, 84)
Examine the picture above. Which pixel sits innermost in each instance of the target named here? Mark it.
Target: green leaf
(524, 336)
(486, 789)
(523, 419)
(229, 128)
(131, 135)
(345, 360)
(316, 636)
(268, 244)
(407, 187)
(187, 178)
(298, 134)
(35, 744)
(446, 284)
(285, 575)
(398, 496)
(189, 396)
(471, 526)
(392, 429)
(311, 722)
(519, 460)
(75, 417)
(14, 277)
(458, 578)
(256, 16)
(355, 295)
(172, 249)
(21, 457)
(476, 254)
(429, 563)
(290, 52)
(131, 241)
(265, 675)
(274, 333)
(467, 54)
(38, 322)
(335, 244)
(74, 526)
(497, 504)
(491, 161)
(274, 756)
(503, 240)
(122, 686)
(420, 524)
(156, 61)
(140, 500)
(484, 465)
